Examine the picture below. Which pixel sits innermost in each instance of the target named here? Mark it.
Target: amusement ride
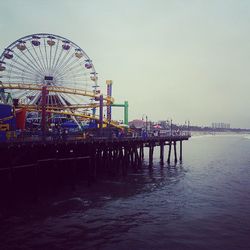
(48, 79)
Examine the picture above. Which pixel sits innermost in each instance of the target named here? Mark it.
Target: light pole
(171, 127)
(146, 122)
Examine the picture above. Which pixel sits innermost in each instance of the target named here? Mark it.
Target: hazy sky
(185, 60)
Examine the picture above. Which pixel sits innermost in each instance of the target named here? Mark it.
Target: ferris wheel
(38, 60)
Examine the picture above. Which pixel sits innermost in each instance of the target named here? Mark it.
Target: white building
(220, 125)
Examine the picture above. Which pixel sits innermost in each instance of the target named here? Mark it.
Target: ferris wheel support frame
(45, 93)
(109, 95)
(101, 112)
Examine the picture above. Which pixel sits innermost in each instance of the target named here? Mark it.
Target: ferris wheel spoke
(71, 70)
(69, 77)
(31, 97)
(61, 99)
(72, 63)
(25, 79)
(61, 61)
(53, 99)
(72, 98)
(79, 75)
(42, 57)
(38, 57)
(22, 94)
(66, 97)
(58, 101)
(34, 60)
(50, 55)
(74, 84)
(48, 100)
(27, 65)
(78, 69)
(55, 54)
(16, 73)
(19, 66)
(26, 94)
(71, 66)
(46, 56)
(73, 79)
(36, 98)
(59, 69)
(20, 71)
(58, 59)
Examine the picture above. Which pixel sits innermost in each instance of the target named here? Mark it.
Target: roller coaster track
(80, 115)
(53, 89)
(70, 107)
(51, 109)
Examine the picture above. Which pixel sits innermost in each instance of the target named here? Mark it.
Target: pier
(33, 166)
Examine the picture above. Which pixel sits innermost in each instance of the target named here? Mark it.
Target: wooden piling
(169, 151)
(175, 153)
(151, 154)
(162, 153)
(180, 150)
(141, 152)
(136, 157)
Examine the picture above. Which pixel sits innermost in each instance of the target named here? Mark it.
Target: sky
(180, 60)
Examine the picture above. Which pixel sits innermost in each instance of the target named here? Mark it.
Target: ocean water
(203, 203)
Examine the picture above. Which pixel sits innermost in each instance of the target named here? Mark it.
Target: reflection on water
(200, 204)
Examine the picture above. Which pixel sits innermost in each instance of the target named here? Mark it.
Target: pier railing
(30, 137)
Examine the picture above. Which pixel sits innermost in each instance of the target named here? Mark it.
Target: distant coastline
(215, 133)
(213, 130)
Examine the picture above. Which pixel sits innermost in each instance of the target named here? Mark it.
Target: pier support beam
(141, 152)
(169, 151)
(151, 154)
(180, 150)
(137, 158)
(162, 153)
(175, 153)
